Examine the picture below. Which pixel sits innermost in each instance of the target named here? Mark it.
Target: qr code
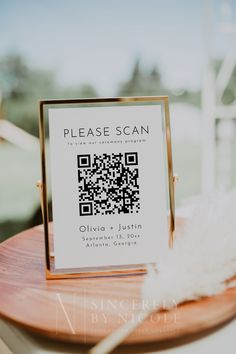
(108, 183)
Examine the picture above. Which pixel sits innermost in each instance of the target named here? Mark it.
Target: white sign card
(108, 185)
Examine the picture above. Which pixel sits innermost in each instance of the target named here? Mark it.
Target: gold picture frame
(51, 272)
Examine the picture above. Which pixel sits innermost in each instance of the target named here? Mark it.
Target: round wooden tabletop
(86, 310)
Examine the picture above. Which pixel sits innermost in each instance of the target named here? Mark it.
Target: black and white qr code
(108, 183)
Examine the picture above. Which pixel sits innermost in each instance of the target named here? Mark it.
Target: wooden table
(86, 310)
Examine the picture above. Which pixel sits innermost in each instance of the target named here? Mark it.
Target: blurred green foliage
(149, 82)
(229, 95)
(22, 87)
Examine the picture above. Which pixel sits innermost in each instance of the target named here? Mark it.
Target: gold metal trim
(42, 185)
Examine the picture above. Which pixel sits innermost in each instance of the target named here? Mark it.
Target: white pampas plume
(201, 262)
(203, 257)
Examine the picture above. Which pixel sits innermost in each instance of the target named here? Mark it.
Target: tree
(142, 83)
(23, 87)
(13, 76)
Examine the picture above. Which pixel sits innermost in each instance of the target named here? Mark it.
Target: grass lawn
(19, 171)
(187, 164)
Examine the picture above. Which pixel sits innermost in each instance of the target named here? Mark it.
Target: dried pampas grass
(200, 264)
(203, 257)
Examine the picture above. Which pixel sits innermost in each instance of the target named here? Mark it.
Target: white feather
(203, 257)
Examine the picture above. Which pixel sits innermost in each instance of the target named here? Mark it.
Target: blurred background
(75, 48)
